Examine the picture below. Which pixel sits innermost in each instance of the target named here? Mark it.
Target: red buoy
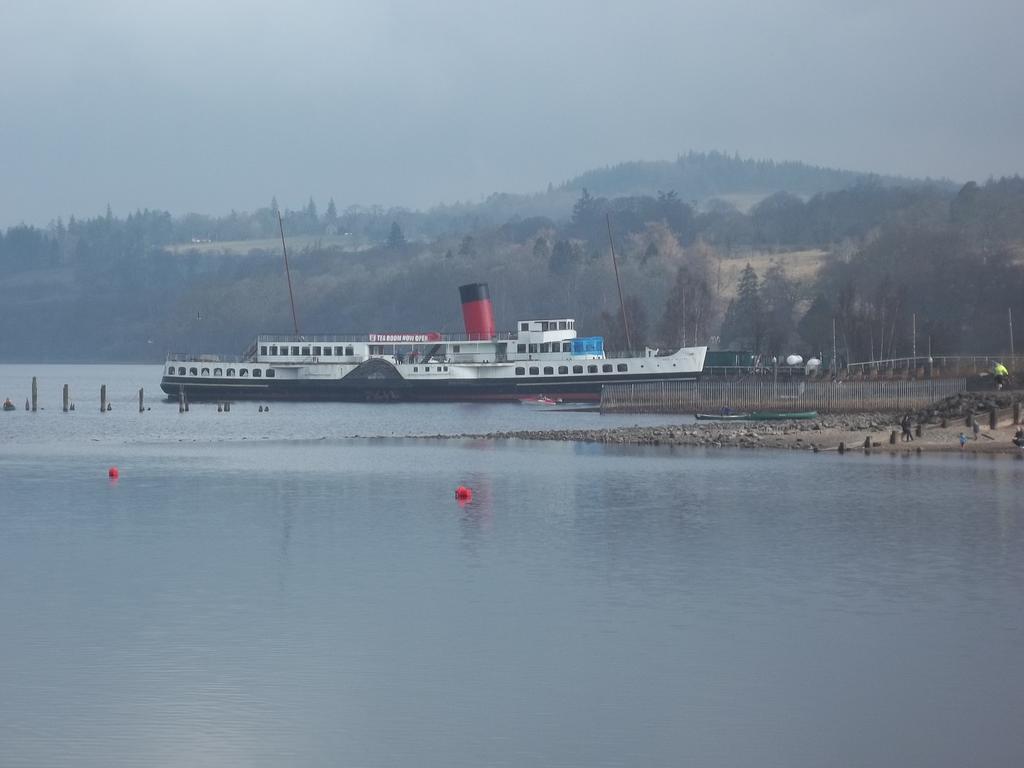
(113, 474)
(462, 493)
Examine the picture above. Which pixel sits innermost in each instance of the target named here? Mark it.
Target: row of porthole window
(256, 372)
(563, 370)
(426, 368)
(274, 350)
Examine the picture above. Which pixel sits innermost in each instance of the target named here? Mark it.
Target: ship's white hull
(541, 357)
(381, 380)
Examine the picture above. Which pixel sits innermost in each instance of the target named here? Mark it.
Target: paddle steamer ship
(541, 357)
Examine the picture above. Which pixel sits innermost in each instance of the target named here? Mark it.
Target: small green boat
(782, 415)
(758, 416)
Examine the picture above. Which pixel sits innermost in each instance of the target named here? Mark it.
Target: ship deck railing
(196, 357)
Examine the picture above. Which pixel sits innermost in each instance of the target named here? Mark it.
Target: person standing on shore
(908, 436)
(963, 440)
(1001, 375)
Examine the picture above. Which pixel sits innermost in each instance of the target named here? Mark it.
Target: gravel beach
(940, 427)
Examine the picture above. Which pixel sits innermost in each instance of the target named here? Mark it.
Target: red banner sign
(404, 338)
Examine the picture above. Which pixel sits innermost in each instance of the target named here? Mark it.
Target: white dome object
(794, 360)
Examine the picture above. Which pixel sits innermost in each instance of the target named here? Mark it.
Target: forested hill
(695, 177)
(702, 175)
(877, 259)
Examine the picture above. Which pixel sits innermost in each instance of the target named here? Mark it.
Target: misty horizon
(210, 108)
(300, 203)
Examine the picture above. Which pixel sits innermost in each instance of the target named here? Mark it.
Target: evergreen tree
(778, 297)
(332, 212)
(583, 208)
(396, 238)
(744, 320)
(678, 216)
(541, 251)
(563, 258)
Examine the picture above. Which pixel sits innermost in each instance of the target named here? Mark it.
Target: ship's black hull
(579, 389)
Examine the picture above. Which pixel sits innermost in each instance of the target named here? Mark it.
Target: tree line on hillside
(703, 175)
(694, 176)
(945, 280)
(114, 288)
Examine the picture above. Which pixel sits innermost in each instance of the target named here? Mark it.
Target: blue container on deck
(588, 345)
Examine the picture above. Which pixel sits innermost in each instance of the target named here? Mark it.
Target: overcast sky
(209, 105)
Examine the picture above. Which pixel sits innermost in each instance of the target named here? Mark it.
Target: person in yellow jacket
(1001, 375)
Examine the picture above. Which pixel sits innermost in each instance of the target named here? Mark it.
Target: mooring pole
(35, 394)
(103, 398)
(65, 397)
(141, 408)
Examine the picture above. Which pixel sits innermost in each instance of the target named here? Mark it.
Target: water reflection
(476, 518)
(322, 602)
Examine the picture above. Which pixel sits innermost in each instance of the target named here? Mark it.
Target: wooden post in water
(842, 448)
(181, 399)
(35, 394)
(892, 437)
(141, 407)
(917, 430)
(65, 397)
(103, 398)
(993, 417)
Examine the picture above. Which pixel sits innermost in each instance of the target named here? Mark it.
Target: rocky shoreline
(937, 429)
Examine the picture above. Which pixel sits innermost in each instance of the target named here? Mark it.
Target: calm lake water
(267, 590)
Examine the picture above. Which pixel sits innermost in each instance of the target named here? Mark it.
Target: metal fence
(937, 365)
(823, 396)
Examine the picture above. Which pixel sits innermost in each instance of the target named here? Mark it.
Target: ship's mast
(288, 273)
(615, 263)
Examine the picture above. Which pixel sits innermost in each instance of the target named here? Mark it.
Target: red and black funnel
(477, 312)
